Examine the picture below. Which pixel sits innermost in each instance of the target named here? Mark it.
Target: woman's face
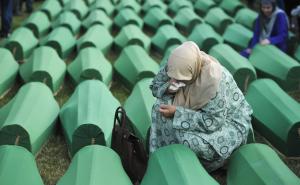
(267, 9)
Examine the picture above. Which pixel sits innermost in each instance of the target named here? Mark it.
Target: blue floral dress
(212, 132)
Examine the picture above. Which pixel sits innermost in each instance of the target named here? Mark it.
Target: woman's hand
(265, 42)
(248, 50)
(167, 110)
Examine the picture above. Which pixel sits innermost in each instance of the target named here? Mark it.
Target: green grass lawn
(53, 159)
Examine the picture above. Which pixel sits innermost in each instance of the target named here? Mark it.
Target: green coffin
(231, 6)
(276, 115)
(166, 36)
(176, 165)
(258, 164)
(97, 36)
(237, 36)
(97, 17)
(89, 2)
(78, 7)
(175, 5)
(44, 66)
(271, 62)
(128, 16)
(62, 40)
(167, 54)
(29, 118)
(21, 43)
(90, 64)
(52, 8)
(8, 70)
(186, 19)
(95, 165)
(68, 20)
(63, 3)
(218, 19)
(246, 17)
(149, 4)
(18, 167)
(240, 68)
(133, 4)
(203, 6)
(135, 64)
(38, 23)
(132, 35)
(138, 107)
(87, 117)
(156, 18)
(205, 37)
(105, 6)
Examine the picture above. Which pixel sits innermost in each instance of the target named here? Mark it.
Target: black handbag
(129, 147)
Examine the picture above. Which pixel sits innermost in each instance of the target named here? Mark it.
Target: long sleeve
(160, 83)
(256, 32)
(206, 121)
(281, 25)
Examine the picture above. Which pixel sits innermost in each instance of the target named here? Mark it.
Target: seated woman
(199, 105)
(271, 27)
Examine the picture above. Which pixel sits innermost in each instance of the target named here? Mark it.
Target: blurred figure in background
(271, 27)
(6, 17)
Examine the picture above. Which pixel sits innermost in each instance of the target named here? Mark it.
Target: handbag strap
(120, 119)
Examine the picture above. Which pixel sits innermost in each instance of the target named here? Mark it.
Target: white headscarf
(202, 72)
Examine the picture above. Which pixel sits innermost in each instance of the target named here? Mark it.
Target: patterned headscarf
(201, 71)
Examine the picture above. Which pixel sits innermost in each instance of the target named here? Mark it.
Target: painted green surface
(164, 61)
(138, 107)
(175, 5)
(18, 167)
(97, 36)
(176, 165)
(127, 16)
(276, 115)
(51, 8)
(237, 36)
(186, 19)
(133, 4)
(94, 165)
(135, 64)
(148, 5)
(270, 62)
(297, 53)
(246, 17)
(29, 118)
(62, 40)
(79, 8)
(97, 17)
(8, 70)
(106, 6)
(21, 43)
(132, 35)
(63, 3)
(44, 66)
(166, 36)
(38, 23)
(258, 164)
(89, 2)
(231, 6)
(87, 117)
(69, 20)
(218, 19)
(240, 68)
(205, 37)
(90, 64)
(156, 18)
(203, 6)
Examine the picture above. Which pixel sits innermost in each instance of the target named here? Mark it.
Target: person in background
(271, 27)
(199, 105)
(6, 17)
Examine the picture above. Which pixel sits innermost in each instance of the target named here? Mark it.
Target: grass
(53, 159)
